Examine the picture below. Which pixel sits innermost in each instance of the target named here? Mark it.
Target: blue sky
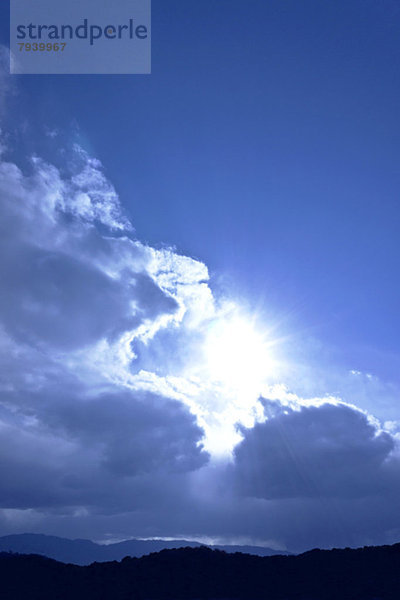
(265, 144)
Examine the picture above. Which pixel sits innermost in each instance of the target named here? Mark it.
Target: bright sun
(235, 367)
(236, 354)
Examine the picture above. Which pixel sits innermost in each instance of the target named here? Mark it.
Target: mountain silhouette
(85, 552)
(370, 573)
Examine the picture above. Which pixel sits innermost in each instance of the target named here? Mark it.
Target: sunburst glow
(236, 354)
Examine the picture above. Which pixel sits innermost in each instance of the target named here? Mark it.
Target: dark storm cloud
(330, 450)
(138, 433)
(44, 292)
(64, 449)
(34, 310)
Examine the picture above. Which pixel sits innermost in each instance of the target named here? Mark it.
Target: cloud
(73, 281)
(108, 452)
(328, 450)
(66, 285)
(113, 420)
